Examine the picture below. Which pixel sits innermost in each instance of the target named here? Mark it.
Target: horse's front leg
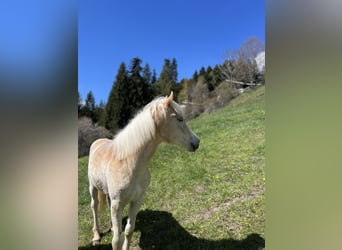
(116, 215)
(132, 215)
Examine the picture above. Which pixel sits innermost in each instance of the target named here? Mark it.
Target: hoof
(96, 242)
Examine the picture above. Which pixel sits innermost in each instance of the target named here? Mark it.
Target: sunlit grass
(215, 195)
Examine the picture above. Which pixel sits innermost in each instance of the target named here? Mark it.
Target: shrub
(221, 96)
(88, 132)
(201, 100)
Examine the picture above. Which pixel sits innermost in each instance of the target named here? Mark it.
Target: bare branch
(228, 67)
(240, 65)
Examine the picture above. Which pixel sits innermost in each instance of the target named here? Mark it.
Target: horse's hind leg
(110, 212)
(94, 205)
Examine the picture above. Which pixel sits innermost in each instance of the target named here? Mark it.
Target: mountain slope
(210, 199)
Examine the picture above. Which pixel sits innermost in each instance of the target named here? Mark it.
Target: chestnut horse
(118, 168)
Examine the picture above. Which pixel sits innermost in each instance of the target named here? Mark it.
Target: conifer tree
(154, 77)
(100, 114)
(195, 76)
(174, 70)
(130, 92)
(202, 72)
(79, 104)
(168, 78)
(217, 77)
(90, 101)
(209, 78)
(88, 109)
(117, 112)
(140, 91)
(209, 70)
(146, 73)
(165, 79)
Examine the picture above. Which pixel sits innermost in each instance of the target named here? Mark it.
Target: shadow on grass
(159, 230)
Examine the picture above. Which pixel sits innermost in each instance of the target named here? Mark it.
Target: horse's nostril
(195, 145)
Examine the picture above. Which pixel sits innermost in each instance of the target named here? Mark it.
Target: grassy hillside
(210, 199)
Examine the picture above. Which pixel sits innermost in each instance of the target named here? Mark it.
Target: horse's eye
(180, 119)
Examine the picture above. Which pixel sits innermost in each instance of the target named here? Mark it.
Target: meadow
(211, 199)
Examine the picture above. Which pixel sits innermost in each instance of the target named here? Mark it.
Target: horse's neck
(148, 150)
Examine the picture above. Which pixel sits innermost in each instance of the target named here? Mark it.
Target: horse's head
(171, 125)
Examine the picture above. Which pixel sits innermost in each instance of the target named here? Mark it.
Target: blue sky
(196, 33)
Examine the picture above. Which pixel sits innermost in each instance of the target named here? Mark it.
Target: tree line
(136, 85)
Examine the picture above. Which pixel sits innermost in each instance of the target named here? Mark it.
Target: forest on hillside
(136, 84)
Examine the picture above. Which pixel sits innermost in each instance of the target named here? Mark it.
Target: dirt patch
(209, 212)
(199, 189)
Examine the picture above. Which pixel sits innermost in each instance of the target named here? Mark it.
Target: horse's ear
(168, 100)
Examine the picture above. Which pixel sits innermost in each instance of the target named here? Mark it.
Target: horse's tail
(102, 200)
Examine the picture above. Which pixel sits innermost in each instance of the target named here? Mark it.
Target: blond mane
(142, 128)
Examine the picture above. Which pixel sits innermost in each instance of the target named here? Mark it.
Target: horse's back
(99, 143)
(99, 155)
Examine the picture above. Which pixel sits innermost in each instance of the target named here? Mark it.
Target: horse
(118, 168)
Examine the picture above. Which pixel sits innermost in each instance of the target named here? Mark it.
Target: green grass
(210, 199)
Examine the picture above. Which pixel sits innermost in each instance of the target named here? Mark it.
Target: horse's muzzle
(194, 145)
